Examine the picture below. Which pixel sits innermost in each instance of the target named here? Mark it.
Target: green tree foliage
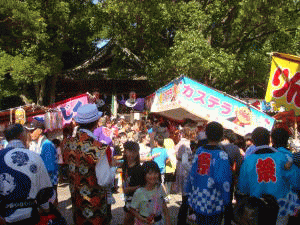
(40, 38)
(223, 43)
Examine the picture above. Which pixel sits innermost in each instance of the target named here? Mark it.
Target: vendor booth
(184, 98)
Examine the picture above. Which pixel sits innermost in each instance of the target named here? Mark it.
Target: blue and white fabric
(209, 193)
(22, 176)
(288, 205)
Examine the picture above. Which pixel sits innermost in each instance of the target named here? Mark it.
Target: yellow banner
(284, 83)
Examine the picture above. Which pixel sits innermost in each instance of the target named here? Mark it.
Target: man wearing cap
(45, 148)
(90, 172)
(23, 177)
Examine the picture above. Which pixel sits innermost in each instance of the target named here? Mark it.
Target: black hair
(240, 142)
(160, 140)
(56, 142)
(134, 147)
(230, 135)
(149, 166)
(88, 126)
(13, 131)
(148, 125)
(261, 136)
(122, 134)
(248, 137)
(142, 136)
(163, 124)
(193, 146)
(266, 205)
(214, 131)
(280, 137)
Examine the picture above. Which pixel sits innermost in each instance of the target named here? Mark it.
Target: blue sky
(102, 43)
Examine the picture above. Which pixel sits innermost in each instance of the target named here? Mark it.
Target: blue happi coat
(209, 181)
(266, 174)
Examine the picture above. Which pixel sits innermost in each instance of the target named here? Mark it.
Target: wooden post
(296, 129)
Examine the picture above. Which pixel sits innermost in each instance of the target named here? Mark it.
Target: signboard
(70, 106)
(283, 87)
(185, 98)
(68, 109)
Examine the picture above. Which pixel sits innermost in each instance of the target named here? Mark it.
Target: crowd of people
(223, 178)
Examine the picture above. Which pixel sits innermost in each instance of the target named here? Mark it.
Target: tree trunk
(40, 91)
(53, 88)
(25, 99)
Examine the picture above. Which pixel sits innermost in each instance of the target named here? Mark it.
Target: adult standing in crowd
(23, 175)
(184, 157)
(236, 160)
(90, 173)
(46, 149)
(209, 181)
(268, 171)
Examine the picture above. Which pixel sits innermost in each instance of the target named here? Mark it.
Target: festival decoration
(20, 116)
(184, 99)
(283, 88)
(131, 102)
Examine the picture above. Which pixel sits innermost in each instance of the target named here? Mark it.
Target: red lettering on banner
(290, 86)
(201, 98)
(227, 108)
(188, 92)
(204, 160)
(266, 171)
(213, 102)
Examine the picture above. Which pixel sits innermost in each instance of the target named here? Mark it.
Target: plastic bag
(104, 173)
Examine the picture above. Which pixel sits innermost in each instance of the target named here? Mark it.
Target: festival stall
(185, 99)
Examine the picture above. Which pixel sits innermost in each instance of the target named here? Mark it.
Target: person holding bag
(91, 169)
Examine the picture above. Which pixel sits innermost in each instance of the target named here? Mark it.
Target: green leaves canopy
(41, 38)
(222, 43)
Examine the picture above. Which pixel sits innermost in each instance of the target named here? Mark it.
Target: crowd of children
(202, 162)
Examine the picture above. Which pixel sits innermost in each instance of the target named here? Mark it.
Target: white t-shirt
(144, 150)
(148, 202)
